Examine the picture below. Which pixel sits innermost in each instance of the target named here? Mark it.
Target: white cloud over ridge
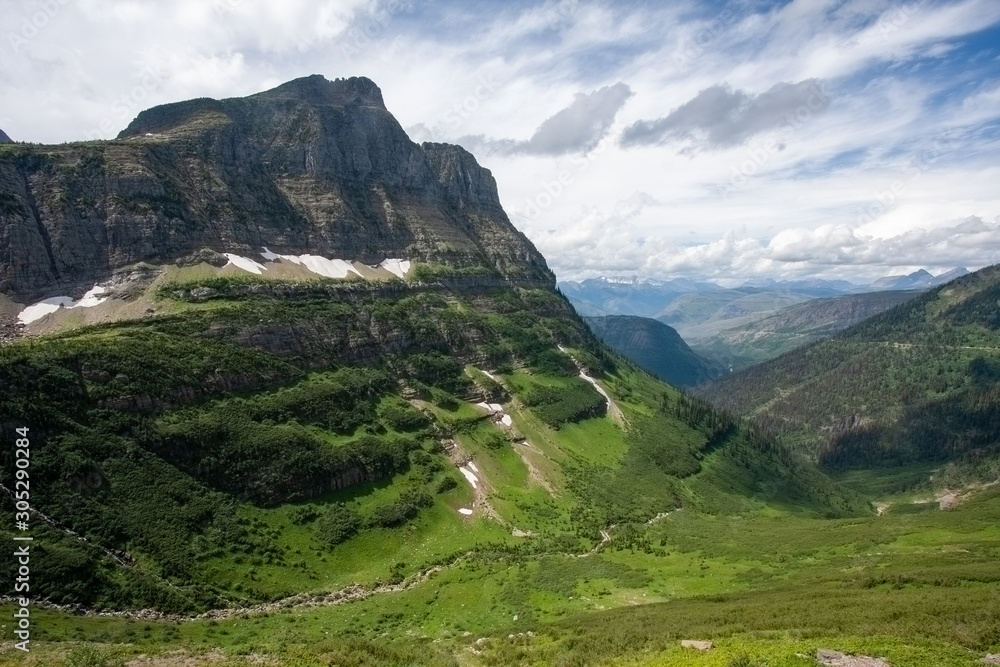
(576, 129)
(720, 116)
(840, 251)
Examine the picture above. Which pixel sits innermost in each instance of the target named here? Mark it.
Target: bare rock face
(838, 659)
(312, 166)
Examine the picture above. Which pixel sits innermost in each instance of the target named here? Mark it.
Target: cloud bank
(719, 116)
(576, 129)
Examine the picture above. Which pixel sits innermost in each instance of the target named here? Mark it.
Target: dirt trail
(613, 410)
(533, 472)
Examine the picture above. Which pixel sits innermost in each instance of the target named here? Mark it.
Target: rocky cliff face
(313, 166)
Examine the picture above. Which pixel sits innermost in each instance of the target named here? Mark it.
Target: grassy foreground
(917, 587)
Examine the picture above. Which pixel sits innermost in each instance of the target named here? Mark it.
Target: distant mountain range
(655, 347)
(718, 322)
(917, 280)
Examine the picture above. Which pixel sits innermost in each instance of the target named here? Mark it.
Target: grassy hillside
(297, 458)
(917, 383)
(655, 347)
(916, 587)
(265, 439)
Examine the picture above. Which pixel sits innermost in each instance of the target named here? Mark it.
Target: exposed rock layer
(313, 166)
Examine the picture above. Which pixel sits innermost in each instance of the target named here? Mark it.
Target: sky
(847, 139)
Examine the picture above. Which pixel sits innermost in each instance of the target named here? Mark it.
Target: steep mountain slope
(655, 347)
(795, 326)
(315, 166)
(317, 358)
(919, 382)
(4, 139)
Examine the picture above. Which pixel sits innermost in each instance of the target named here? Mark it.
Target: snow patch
(90, 299)
(397, 267)
(491, 376)
(473, 468)
(507, 421)
(37, 311)
(471, 476)
(466, 512)
(329, 268)
(245, 263)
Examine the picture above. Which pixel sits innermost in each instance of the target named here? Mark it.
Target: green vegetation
(570, 401)
(915, 384)
(312, 457)
(656, 347)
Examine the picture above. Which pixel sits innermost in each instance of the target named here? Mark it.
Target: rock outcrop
(312, 166)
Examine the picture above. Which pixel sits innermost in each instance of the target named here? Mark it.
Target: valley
(299, 393)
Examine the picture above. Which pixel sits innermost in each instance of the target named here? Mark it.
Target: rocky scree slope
(311, 167)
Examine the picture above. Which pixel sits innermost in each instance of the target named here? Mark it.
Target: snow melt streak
(245, 263)
(471, 476)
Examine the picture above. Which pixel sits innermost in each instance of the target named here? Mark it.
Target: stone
(698, 645)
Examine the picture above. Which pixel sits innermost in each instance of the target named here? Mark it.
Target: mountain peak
(4, 139)
(311, 167)
(317, 89)
(310, 96)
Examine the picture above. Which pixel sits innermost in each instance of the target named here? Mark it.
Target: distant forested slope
(919, 382)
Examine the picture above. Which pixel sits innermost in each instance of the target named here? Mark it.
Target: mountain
(919, 382)
(655, 347)
(4, 139)
(629, 296)
(948, 276)
(313, 166)
(805, 284)
(795, 326)
(920, 279)
(267, 350)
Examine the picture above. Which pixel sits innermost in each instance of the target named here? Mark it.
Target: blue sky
(722, 140)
